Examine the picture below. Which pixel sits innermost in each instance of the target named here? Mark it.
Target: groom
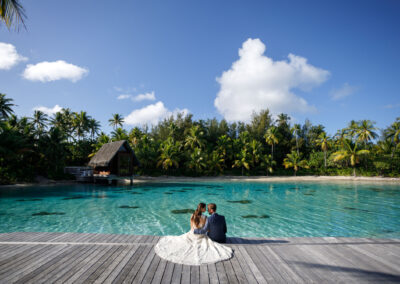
(215, 226)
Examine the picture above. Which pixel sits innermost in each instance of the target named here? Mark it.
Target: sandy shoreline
(142, 179)
(267, 179)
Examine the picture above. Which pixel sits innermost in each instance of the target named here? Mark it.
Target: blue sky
(344, 59)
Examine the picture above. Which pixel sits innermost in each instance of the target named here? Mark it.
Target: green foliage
(178, 145)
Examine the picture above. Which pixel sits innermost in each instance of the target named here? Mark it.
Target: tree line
(180, 145)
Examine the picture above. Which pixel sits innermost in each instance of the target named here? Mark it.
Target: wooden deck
(106, 258)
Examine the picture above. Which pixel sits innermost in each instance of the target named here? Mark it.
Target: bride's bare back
(201, 223)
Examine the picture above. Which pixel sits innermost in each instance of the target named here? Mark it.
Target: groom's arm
(203, 230)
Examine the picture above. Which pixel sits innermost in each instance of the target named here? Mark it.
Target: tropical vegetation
(179, 145)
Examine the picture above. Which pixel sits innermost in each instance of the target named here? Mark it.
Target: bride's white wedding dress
(191, 249)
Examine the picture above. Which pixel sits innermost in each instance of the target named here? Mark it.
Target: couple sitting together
(201, 245)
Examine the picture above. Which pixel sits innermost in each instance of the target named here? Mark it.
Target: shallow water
(251, 209)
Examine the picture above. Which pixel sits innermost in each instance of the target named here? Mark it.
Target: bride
(190, 248)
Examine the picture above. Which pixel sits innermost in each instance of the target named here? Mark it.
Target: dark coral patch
(135, 192)
(33, 199)
(376, 189)
(350, 208)
(169, 193)
(255, 216)
(42, 213)
(264, 216)
(212, 194)
(74, 197)
(182, 211)
(250, 216)
(240, 201)
(128, 207)
(308, 193)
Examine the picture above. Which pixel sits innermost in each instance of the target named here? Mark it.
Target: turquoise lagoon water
(251, 209)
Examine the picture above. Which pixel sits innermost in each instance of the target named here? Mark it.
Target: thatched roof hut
(116, 158)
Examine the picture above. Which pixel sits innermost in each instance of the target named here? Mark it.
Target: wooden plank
(230, 273)
(221, 273)
(390, 266)
(21, 257)
(88, 263)
(139, 269)
(62, 266)
(262, 265)
(177, 274)
(185, 274)
(299, 261)
(195, 274)
(33, 275)
(167, 276)
(243, 266)
(212, 273)
(152, 270)
(257, 274)
(13, 249)
(204, 279)
(91, 271)
(75, 265)
(112, 273)
(27, 267)
(110, 260)
(128, 267)
(84, 264)
(320, 261)
(241, 278)
(158, 275)
(280, 265)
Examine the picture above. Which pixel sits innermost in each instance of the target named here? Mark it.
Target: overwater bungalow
(115, 160)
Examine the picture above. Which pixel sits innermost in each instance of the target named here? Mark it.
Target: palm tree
(194, 138)
(169, 156)
(134, 136)
(80, 123)
(293, 160)
(197, 161)
(323, 141)
(394, 133)
(5, 106)
(242, 160)
(350, 152)
(39, 120)
(119, 134)
(366, 131)
(255, 148)
(295, 130)
(268, 163)
(215, 163)
(116, 120)
(271, 137)
(12, 13)
(93, 127)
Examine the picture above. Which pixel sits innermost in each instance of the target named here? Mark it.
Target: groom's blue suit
(215, 228)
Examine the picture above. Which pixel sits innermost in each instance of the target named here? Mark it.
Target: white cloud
(124, 97)
(49, 111)
(257, 82)
(146, 96)
(51, 71)
(151, 114)
(345, 91)
(9, 56)
(389, 106)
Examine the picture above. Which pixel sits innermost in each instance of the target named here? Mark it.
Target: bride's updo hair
(197, 214)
